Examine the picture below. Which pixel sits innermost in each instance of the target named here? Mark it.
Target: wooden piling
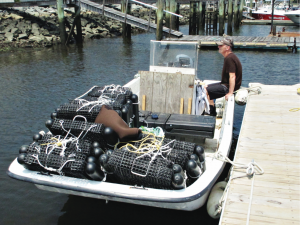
(221, 17)
(77, 22)
(236, 14)
(203, 14)
(126, 28)
(192, 19)
(229, 21)
(61, 21)
(167, 15)
(242, 3)
(251, 5)
(177, 18)
(172, 18)
(201, 17)
(159, 17)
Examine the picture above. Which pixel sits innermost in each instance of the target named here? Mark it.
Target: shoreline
(32, 27)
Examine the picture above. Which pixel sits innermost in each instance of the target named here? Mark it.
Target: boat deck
(245, 42)
(269, 135)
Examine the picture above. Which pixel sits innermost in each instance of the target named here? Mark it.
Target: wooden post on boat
(173, 10)
(159, 16)
(236, 14)
(167, 15)
(221, 17)
(181, 106)
(126, 28)
(229, 22)
(241, 10)
(61, 21)
(251, 5)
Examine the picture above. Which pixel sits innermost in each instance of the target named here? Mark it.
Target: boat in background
(294, 16)
(265, 13)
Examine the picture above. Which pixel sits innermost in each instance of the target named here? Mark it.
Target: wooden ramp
(117, 15)
(270, 135)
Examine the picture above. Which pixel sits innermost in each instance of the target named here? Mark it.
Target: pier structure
(269, 137)
(244, 42)
(201, 12)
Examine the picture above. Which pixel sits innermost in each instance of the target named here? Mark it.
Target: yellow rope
(58, 143)
(294, 109)
(153, 144)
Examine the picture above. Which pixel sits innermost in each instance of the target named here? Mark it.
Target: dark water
(35, 82)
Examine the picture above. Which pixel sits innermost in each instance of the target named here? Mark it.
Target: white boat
(294, 16)
(189, 198)
(265, 13)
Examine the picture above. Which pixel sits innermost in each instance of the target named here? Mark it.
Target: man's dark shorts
(216, 90)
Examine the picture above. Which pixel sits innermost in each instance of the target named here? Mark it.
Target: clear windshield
(174, 54)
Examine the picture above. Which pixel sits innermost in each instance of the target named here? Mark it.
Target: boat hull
(294, 16)
(262, 16)
(188, 199)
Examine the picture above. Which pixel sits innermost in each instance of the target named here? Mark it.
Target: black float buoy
(94, 172)
(193, 169)
(103, 162)
(178, 181)
(97, 152)
(53, 115)
(195, 158)
(23, 149)
(91, 159)
(96, 144)
(109, 152)
(135, 109)
(21, 158)
(199, 151)
(111, 136)
(37, 137)
(177, 169)
(125, 113)
(49, 123)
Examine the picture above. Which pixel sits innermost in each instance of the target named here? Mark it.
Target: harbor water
(34, 82)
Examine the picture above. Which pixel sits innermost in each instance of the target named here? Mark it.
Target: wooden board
(163, 91)
(159, 93)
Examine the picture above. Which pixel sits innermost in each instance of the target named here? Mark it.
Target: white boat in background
(189, 198)
(265, 13)
(294, 16)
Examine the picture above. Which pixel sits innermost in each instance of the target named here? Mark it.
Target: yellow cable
(294, 109)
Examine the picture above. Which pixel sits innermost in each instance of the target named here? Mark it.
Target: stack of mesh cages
(69, 160)
(90, 105)
(149, 170)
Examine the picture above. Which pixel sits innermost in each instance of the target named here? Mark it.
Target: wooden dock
(245, 42)
(270, 135)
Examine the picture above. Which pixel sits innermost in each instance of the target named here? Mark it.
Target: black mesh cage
(71, 160)
(133, 169)
(111, 91)
(87, 130)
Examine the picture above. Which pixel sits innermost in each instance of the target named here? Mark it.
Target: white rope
(252, 168)
(85, 93)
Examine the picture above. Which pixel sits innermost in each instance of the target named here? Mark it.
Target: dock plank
(270, 134)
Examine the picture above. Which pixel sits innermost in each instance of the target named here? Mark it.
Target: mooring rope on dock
(252, 168)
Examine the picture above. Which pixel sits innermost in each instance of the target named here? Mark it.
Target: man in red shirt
(231, 75)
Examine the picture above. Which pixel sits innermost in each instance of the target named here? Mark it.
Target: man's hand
(228, 96)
